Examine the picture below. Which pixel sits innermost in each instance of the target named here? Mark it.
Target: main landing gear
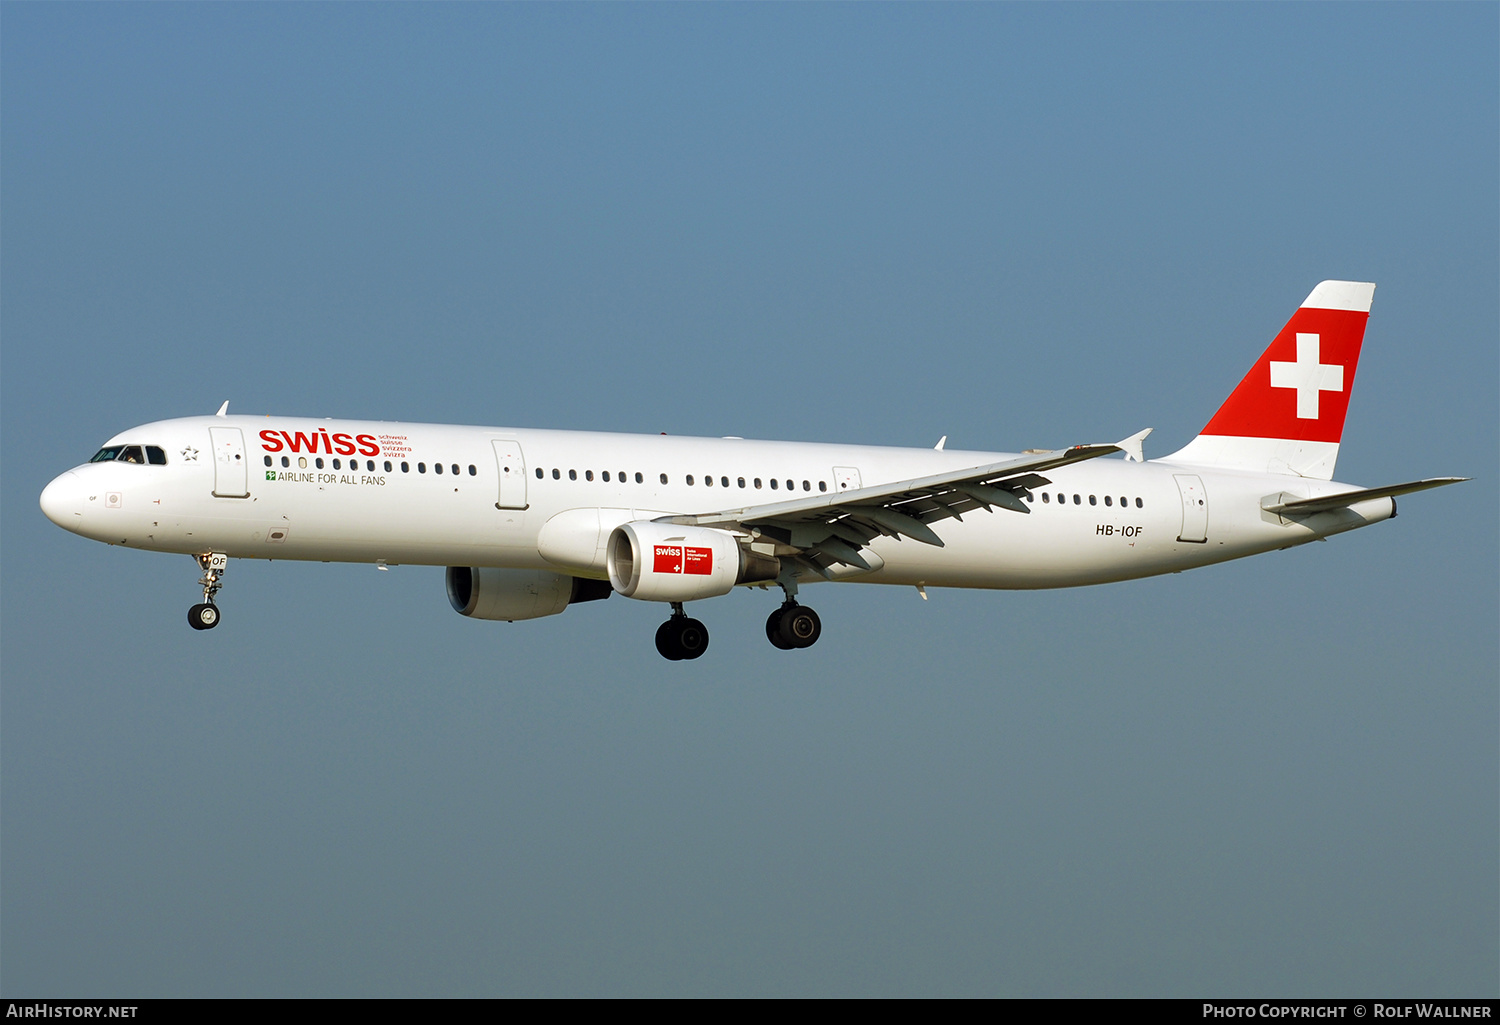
(205, 615)
(681, 637)
(793, 626)
(684, 638)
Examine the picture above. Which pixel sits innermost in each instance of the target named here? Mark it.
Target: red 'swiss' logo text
(320, 441)
(682, 559)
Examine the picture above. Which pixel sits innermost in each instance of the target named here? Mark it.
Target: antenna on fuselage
(224, 409)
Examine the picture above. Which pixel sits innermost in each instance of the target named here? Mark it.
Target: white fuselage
(1097, 521)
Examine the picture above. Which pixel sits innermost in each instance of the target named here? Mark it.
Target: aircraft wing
(833, 528)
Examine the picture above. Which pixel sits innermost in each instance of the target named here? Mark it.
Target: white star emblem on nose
(190, 454)
(1308, 376)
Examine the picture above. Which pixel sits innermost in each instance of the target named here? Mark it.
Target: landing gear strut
(681, 637)
(205, 615)
(792, 625)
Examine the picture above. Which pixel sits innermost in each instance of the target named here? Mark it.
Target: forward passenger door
(231, 471)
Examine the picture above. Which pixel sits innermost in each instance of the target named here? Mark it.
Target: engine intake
(662, 562)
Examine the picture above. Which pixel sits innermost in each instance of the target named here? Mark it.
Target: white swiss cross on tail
(1308, 376)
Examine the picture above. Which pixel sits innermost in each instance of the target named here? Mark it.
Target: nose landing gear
(681, 637)
(205, 615)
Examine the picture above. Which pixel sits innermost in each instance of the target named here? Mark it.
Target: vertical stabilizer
(1287, 415)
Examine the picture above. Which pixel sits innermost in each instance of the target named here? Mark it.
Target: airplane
(528, 522)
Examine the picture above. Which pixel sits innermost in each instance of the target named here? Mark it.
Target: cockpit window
(131, 454)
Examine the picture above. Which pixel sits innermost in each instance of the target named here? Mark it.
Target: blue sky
(1016, 225)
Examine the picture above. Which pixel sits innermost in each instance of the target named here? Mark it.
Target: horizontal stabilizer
(1307, 506)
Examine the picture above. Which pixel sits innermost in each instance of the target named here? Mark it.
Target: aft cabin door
(512, 466)
(1194, 508)
(231, 471)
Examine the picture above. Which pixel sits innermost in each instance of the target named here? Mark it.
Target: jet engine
(512, 594)
(664, 562)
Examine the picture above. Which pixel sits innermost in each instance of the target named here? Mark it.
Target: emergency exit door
(511, 465)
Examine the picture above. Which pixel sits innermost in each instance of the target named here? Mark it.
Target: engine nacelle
(663, 562)
(512, 594)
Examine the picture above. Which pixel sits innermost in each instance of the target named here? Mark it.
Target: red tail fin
(1287, 415)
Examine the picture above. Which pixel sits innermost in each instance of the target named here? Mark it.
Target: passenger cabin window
(556, 474)
(318, 462)
(268, 461)
(690, 480)
(773, 483)
(572, 475)
(1138, 503)
(1045, 499)
(437, 467)
(286, 460)
(387, 465)
(588, 474)
(455, 469)
(421, 467)
(473, 470)
(539, 473)
(639, 479)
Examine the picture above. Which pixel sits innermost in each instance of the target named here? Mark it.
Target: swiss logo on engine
(682, 559)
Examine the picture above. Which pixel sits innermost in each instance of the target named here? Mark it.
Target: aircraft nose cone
(62, 501)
